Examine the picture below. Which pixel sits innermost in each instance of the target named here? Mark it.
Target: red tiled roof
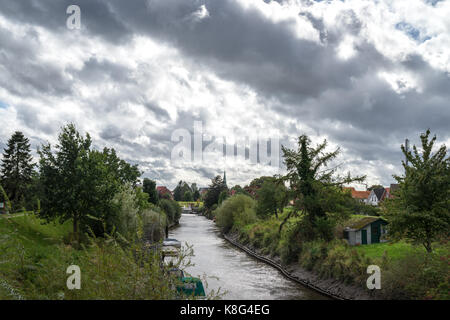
(358, 194)
(163, 190)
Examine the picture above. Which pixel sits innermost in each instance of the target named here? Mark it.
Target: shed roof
(363, 222)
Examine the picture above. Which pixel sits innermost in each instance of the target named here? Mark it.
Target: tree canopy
(149, 187)
(272, 197)
(17, 168)
(214, 191)
(181, 191)
(79, 183)
(419, 210)
(312, 184)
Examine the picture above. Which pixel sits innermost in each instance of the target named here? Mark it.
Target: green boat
(191, 286)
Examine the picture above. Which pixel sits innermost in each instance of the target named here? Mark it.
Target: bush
(419, 275)
(172, 210)
(153, 225)
(124, 220)
(34, 263)
(223, 196)
(237, 209)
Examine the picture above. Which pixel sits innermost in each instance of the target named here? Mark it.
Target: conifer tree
(17, 167)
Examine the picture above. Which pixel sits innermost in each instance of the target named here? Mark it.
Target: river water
(241, 276)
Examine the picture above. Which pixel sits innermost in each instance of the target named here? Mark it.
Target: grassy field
(394, 251)
(193, 203)
(32, 228)
(25, 243)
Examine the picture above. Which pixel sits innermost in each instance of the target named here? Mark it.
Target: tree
(375, 186)
(180, 191)
(214, 190)
(17, 168)
(171, 209)
(254, 186)
(314, 189)
(79, 183)
(419, 210)
(188, 196)
(149, 187)
(237, 189)
(195, 192)
(272, 197)
(223, 196)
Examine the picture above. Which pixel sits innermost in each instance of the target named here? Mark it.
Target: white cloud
(344, 82)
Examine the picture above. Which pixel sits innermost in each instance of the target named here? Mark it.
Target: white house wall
(352, 238)
(372, 199)
(358, 237)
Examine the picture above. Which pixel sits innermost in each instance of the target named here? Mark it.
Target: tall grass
(34, 260)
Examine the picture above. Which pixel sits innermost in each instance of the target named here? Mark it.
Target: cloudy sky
(365, 75)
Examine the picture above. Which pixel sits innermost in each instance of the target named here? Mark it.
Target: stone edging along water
(283, 271)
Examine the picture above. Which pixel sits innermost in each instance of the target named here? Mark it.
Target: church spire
(225, 178)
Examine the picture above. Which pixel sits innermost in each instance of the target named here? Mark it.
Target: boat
(190, 286)
(171, 243)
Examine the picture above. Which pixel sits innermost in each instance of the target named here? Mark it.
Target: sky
(365, 75)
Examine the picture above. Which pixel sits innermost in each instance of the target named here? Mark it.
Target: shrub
(172, 210)
(4, 198)
(325, 228)
(237, 209)
(153, 224)
(419, 275)
(124, 220)
(223, 196)
(34, 261)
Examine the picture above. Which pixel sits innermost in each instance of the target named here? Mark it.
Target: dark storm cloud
(94, 71)
(304, 80)
(160, 113)
(239, 44)
(97, 16)
(23, 73)
(111, 132)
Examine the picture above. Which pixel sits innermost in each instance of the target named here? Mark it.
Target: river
(241, 276)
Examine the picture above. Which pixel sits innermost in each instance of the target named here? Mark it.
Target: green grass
(26, 244)
(193, 203)
(396, 250)
(34, 259)
(33, 230)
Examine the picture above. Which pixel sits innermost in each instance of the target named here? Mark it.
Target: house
(377, 195)
(203, 191)
(392, 189)
(362, 196)
(367, 230)
(164, 193)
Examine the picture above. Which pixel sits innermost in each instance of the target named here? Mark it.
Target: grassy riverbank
(35, 256)
(408, 271)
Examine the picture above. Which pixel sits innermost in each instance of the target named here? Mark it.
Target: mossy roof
(361, 223)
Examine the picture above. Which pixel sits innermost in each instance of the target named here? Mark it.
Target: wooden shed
(367, 230)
